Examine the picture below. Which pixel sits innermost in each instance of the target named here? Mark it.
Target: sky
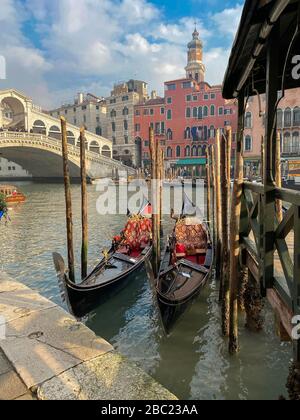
(57, 48)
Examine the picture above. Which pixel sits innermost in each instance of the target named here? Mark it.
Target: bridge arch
(39, 127)
(94, 147)
(54, 132)
(71, 138)
(17, 110)
(106, 151)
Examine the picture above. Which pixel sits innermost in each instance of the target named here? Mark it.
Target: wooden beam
(279, 306)
(235, 222)
(269, 164)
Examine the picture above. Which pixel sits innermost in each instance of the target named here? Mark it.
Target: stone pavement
(11, 385)
(53, 355)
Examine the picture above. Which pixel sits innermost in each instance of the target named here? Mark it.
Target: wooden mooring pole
(68, 198)
(155, 187)
(218, 206)
(236, 206)
(225, 182)
(213, 178)
(84, 204)
(208, 178)
(278, 176)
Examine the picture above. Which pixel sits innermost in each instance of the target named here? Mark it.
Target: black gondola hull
(172, 312)
(82, 299)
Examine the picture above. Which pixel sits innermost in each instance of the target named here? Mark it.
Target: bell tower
(195, 68)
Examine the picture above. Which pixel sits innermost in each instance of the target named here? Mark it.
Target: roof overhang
(248, 60)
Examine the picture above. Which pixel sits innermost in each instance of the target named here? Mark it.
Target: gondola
(126, 256)
(186, 266)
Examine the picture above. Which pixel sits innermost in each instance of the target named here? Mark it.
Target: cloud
(228, 20)
(54, 49)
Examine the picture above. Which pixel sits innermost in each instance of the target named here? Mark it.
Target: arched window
(279, 118)
(212, 132)
(39, 127)
(188, 113)
(212, 110)
(204, 150)
(71, 138)
(187, 151)
(125, 111)
(287, 146)
(205, 133)
(187, 133)
(195, 112)
(169, 152)
(200, 113)
(295, 142)
(248, 120)
(113, 113)
(113, 127)
(248, 144)
(205, 111)
(178, 151)
(95, 147)
(200, 151)
(288, 117)
(169, 114)
(54, 132)
(169, 134)
(106, 151)
(296, 119)
(125, 125)
(194, 151)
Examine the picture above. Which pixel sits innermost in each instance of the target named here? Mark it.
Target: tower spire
(195, 68)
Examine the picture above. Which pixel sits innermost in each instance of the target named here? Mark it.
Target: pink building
(288, 122)
(187, 119)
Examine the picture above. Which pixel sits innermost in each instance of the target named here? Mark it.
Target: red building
(188, 118)
(150, 114)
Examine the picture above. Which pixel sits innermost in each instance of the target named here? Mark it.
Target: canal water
(193, 362)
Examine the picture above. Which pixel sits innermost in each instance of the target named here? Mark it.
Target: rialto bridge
(32, 139)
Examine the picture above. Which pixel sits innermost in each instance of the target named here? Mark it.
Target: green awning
(191, 162)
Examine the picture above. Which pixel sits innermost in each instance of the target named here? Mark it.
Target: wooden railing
(253, 233)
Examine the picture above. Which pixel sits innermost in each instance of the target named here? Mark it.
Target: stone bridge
(42, 157)
(32, 139)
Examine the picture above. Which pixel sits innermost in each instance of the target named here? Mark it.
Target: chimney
(153, 94)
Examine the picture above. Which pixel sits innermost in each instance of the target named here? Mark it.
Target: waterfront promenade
(46, 354)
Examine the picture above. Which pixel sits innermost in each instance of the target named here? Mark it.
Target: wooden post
(84, 204)
(278, 176)
(236, 206)
(218, 205)
(68, 198)
(225, 176)
(208, 178)
(155, 202)
(213, 176)
(272, 71)
(262, 158)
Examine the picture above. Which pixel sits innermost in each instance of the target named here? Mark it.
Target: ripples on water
(193, 362)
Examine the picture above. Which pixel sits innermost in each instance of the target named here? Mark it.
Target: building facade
(120, 120)
(150, 114)
(87, 110)
(10, 170)
(193, 111)
(288, 123)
